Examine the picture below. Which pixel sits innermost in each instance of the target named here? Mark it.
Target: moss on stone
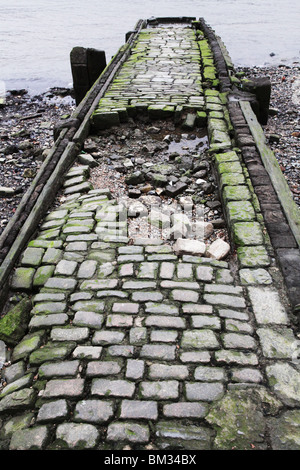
(14, 324)
(247, 233)
(253, 256)
(27, 345)
(238, 420)
(23, 277)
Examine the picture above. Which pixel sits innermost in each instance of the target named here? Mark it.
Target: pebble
(26, 124)
(282, 129)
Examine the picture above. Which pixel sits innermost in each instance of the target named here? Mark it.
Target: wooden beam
(280, 185)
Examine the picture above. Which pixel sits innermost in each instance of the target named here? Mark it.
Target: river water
(36, 36)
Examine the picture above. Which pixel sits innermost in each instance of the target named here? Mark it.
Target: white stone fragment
(218, 249)
(191, 247)
(202, 230)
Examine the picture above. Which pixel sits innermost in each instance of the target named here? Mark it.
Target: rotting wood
(269, 160)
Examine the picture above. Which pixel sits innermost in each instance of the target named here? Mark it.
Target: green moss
(42, 275)
(238, 421)
(17, 423)
(247, 233)
(253, 256)
(14, 324)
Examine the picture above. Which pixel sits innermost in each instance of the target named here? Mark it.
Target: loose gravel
(26, 134)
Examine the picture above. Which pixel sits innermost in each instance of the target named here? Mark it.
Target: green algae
(14, 324)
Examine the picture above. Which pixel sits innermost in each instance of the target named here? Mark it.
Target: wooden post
(86, 65)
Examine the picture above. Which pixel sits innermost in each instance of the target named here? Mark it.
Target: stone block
(64, 388)
(240, 211)
(13, 325)
(157, 351)
(102, 368)
(22, 278)
(267, 306)
(29, 439)
(225, 300)
(218, 250)
(253, 257)
(135, 369)
(204, 391)
(199, 339)
(50, 352)
(184, 295)
(124, 431)
(139, 409)
(105, 119)
(160, 390)
(43, 273)
(162, 371)
(93, 411)
(69, 333)
(32, 256)
(255, 276)
(53, 412)
(190, 247)
(236, 193)
(114, 388)
(78, 435)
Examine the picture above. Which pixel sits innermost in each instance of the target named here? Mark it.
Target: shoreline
(26, 132)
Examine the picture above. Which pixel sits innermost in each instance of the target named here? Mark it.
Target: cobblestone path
(147, 343)
(161, 74)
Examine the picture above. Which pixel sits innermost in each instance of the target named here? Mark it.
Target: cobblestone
(64, 388)
(93, 411)
(53, 412)
(160, 390)
(138, 409)
(81, 434)
(204, 391)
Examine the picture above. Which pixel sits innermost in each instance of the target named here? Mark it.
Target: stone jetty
(150, 280)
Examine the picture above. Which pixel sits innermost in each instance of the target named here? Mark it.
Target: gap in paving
(140, 163)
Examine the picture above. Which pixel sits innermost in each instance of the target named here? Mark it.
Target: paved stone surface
(141, 342)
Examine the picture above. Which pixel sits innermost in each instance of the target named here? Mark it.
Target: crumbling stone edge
(272, 202)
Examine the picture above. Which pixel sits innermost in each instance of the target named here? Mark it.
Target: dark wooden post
(86, 65)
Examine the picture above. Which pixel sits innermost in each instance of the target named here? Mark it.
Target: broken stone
(190, 247)
(284, 431)
(202, 230)
(6, 192)
(285, 381)
(219, 249)
(14, 324)
(135, 178)
(238, 420)
(174, 190)
(86, 159)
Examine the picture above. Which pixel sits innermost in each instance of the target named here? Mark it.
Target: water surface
(36, 36)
